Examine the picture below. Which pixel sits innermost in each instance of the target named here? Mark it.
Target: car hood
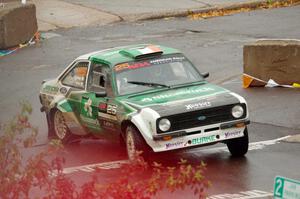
(184, 99)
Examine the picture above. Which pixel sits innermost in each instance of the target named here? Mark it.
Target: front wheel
(135, 143)
(58, 128)
(239, 146)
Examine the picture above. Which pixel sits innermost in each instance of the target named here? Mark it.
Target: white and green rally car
(149, 95)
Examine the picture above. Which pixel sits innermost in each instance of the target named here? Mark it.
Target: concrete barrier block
(18, 23)
(273, 59)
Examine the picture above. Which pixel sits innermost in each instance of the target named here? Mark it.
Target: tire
(57, 127)
(239, 146)
(135, 143)
(122, 142)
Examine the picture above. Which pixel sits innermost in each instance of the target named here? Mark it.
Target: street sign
(286, 188)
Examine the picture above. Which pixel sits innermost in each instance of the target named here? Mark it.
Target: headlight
(237, 111)
(164, 124)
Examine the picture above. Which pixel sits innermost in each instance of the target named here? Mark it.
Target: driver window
(77, 76)
(98, 78)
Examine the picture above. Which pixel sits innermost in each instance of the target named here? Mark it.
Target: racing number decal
(107, 111)
(111, 109)
(107, 115)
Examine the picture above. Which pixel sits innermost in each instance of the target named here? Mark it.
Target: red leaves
(183, 176)
(21, 178)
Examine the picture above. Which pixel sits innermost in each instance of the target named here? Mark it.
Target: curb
(293, 139)
(187, 12)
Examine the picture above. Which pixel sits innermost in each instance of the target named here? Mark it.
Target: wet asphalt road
(214, 45)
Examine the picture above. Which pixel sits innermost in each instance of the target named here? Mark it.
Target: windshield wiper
(150, 84)
(188, 84)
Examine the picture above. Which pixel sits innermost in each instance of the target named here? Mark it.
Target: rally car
(151, 96)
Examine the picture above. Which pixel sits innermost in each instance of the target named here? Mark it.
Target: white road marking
(242, 195)
(93, 167)
(263, 144)
(118, 164)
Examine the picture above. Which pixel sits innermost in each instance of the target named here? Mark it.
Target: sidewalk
(54, 14)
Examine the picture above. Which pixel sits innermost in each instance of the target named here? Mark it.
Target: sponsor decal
(166, 60)
(203, 140)
(50, 89)
(87, 114)
(183, 92)
(174, 145)
(107, 125)
(131, 66)
(252, 146)
(121, 67)
(63, 90)
(88, 108)
(135, 65)
(232, 134)
(198, 105)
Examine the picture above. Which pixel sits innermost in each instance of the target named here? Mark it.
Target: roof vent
(140, 53)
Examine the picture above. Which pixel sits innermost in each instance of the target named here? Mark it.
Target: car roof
(130, 53)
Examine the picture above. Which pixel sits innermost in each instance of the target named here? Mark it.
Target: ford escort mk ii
(150, 96)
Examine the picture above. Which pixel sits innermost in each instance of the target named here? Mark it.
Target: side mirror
(205, 74)
(100, 94)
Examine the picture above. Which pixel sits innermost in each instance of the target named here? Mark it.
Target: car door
(73, 86)
(99, 100)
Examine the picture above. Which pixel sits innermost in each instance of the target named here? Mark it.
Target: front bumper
(199, 136)
(205, 129)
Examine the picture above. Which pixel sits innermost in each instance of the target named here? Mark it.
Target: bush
(40, 177)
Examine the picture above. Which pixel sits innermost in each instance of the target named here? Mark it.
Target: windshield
(154, 73)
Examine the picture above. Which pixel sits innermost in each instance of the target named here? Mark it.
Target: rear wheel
(58, 128)
(239, 146)
(135, 143)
